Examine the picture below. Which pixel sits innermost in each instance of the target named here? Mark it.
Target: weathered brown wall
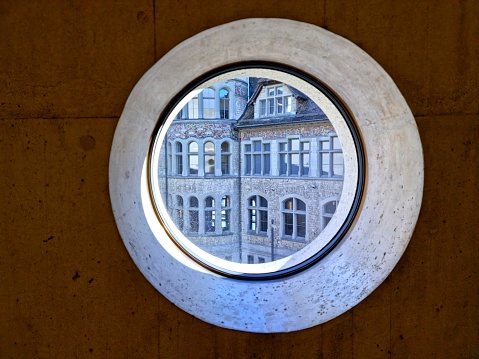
(68, 287)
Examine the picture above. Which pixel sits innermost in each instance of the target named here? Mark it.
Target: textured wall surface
(69, 288)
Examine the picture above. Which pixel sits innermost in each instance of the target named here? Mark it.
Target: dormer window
(276, 103)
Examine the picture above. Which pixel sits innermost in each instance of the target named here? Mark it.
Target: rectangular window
(261, 260)
(250, 259)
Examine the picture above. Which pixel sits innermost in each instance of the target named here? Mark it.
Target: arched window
(225, 158)
(294, 218)
(224, 103)
(194, 218)
(193, 111)
(209, 103)
(193, 158)
(328, 210)
(257, 215)
(225, 214)
(210, 215)
(209, 153)
(179, 212)
(179, 158)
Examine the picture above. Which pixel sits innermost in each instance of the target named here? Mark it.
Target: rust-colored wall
(68, 287)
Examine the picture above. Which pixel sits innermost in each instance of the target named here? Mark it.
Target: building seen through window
(253, 170)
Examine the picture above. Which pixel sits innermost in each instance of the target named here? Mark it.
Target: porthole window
(299, 141)
(285, 175)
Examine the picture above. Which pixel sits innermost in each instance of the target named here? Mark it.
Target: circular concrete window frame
(380, 231)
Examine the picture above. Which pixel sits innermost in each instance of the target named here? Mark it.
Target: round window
(256, 170)
(266, 175)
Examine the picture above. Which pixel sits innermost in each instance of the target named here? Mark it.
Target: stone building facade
(251, 177)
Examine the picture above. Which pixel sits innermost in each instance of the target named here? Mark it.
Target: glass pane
(257, 146)
(325, 164)
(279, 105)
(193, 147)
(225, 220)
(287, 104)
(271, 91)
(209, 164)
(266, 169)
(224, 93)
(262, 108)
(305, 163)
(225, 201)
(257, 164)
(209, 147)
(248, 164)
(209, 108)
(263, 202)
(336, 143)
(266, 147)
(263, 221)
(193, 202)
(209, 221)
(288, 204)
(301, 225)
(288, 224)
(193, 159)
(330, 207)
(325, 145)
(179, 201)
(225, 147)
(279, 90)
(194, 222)
(247, 148)
(209, 202)
(179, 218)
(179, 147)
(283, 167)
(338, 166)
(294, 145)
(193, 108)
(252, 201)
(225, 164)
(252, 219)
(305, 146)
(271, 107)
(294, 164)
(300, 205)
